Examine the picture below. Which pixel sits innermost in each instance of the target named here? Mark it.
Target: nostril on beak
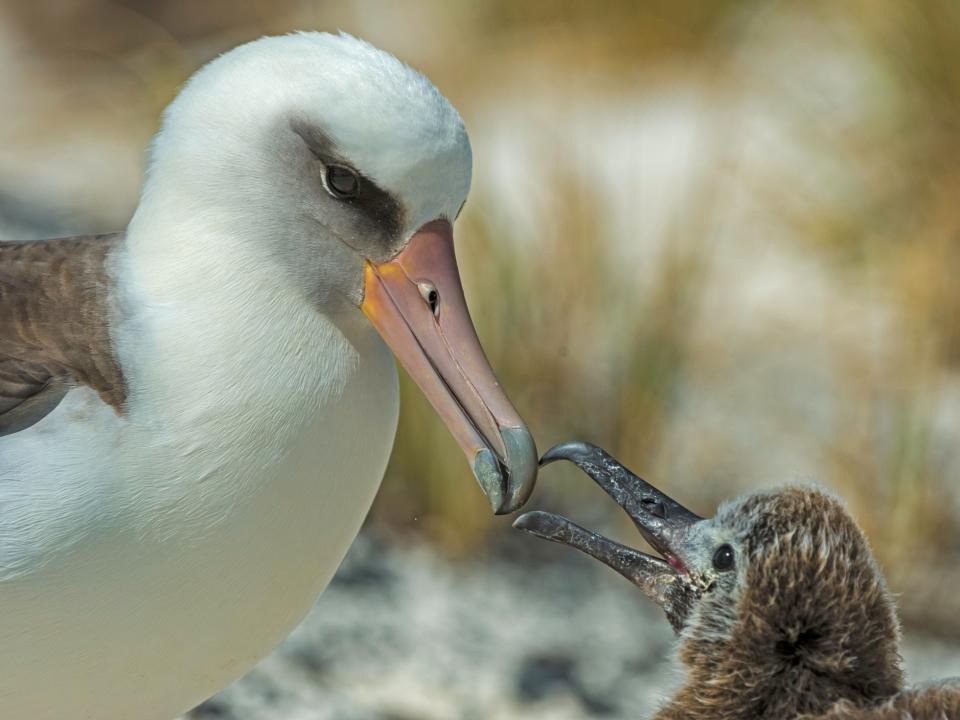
(654, 507)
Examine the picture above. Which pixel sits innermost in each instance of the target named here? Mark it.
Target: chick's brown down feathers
(796, 623)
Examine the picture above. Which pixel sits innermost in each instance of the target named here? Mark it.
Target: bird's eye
(429, 292)
(341, 181)
(723, 558)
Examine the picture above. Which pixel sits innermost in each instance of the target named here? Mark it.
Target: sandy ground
(402, 634)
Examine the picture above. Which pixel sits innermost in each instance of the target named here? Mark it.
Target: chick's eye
(723, 558)
(342, 182)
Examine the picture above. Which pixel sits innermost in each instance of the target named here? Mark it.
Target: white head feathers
(390, 120)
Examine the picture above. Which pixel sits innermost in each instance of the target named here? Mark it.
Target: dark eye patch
(376, 211)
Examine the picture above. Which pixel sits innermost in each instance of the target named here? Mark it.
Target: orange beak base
(416, 303)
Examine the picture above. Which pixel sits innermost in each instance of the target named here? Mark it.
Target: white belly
(141, 573)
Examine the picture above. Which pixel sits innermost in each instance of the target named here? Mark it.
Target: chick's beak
(416, 303)
(661, 520)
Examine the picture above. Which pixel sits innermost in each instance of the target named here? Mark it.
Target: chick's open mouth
(662, 521)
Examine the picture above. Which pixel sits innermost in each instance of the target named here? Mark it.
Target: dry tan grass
(591, 346)
(898, 237)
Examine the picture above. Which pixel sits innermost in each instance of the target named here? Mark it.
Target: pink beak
(416, 303)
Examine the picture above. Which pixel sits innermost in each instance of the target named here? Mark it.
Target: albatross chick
(781, 609)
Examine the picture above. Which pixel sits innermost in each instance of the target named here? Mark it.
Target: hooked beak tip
(539, 523)
(573, 450)
(508, 485)
(490, 477)
(521, 467)
(523, 522)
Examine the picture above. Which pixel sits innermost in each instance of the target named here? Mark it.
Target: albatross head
(346, 169)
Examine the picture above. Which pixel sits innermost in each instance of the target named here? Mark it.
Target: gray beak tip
(527, 520)
(508, 485)
(522, 463)
(572, 450)
(487, 471)
(542, 524)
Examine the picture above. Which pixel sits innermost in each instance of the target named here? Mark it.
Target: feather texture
(54, 326)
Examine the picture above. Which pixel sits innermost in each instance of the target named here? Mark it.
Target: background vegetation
(719, 238)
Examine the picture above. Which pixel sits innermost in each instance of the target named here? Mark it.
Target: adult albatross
(196, 413)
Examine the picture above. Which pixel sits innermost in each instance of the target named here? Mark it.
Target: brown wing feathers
(54, 333)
